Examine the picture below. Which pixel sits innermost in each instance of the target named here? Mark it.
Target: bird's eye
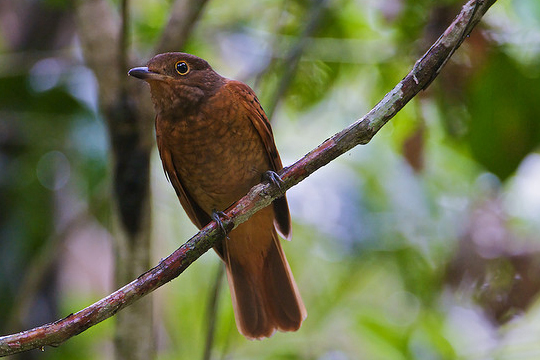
(181, 67)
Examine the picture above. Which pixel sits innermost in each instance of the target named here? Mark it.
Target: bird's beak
(145, 74)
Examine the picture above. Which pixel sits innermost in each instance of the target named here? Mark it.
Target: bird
(215, 143)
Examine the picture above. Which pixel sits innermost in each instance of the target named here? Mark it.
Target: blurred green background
(423, 244)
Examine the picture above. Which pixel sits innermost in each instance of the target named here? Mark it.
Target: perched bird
(215, 143)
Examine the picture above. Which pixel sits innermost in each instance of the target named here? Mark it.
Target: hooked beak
(143, 73)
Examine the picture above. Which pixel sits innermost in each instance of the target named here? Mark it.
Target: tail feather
(285, 304)
(264, 294)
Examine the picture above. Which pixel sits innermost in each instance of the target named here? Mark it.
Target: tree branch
(261, 195)
(212, 311)
(96, 43)
(126, 109)
(295, 53)
(184, 13)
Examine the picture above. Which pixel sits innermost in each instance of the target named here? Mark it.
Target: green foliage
(380, 247)
(503, 128)
(17, 95)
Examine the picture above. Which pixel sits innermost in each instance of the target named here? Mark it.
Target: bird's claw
(217, 216)
(273, 178)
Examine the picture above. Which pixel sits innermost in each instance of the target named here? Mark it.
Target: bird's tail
(264, 294)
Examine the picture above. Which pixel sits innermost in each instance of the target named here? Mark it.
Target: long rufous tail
(264, 294)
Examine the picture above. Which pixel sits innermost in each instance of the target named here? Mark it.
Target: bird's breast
(218, 157)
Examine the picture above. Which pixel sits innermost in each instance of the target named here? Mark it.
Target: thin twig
(293, 57)
(260, 196)
(212, 311)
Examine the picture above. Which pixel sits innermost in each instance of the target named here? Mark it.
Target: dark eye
(182, 67)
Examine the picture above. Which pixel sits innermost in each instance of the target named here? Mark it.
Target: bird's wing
(195, 213)
(245, 96)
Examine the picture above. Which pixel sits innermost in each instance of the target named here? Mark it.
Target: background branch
(292, 59)
(128, 112)
(184, 14)
(211, 311)
(260, 195)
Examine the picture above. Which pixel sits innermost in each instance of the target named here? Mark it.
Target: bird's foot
(273, 178)
(217, 216)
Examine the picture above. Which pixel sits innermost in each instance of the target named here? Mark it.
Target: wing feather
(195, 213)
(246, 96)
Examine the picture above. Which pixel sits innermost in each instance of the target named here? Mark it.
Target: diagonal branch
(295, 53)
(261, 195)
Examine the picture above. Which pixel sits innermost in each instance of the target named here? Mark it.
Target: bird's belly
(218, 166)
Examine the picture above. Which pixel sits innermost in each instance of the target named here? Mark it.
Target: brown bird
(215, 143)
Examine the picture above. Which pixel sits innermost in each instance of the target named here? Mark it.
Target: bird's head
(178, 79)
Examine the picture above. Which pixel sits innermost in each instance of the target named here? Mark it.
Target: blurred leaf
(367, 249)
(311, 83)
(419, 277)
(17, 96)
(503, 105)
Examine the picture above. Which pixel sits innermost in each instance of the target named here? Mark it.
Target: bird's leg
(217, 216)
(273, 178)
